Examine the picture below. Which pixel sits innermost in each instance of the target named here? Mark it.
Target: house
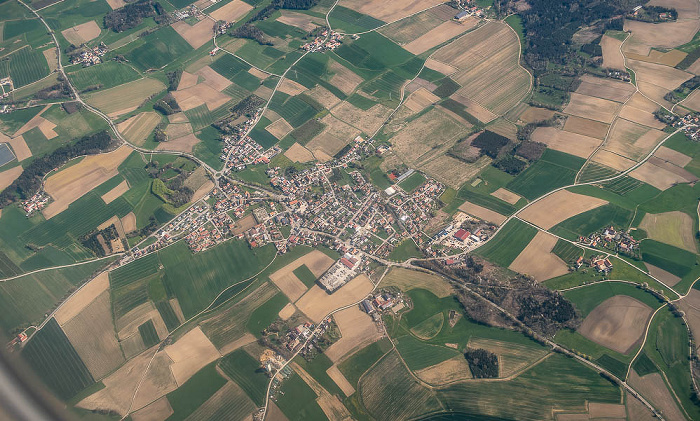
(461, 15)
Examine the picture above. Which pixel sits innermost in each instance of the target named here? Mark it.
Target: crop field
(106, 75)
(555, 169)
(91, 332)
(228, 403)
(55, 360)
(298, 401)
(196, 280)
(159, 49)
(674, 228)
(419, 355)
(588, 222)
(125, 97)
(148, 334)
(429, 327)
(617, 323)
(567, 251)
(229, 66)
(537, 260)
(509, 242)
(230, 324)
(6, 154)
(11, 122)
(349, 20)
(532, 394)
(195, 392)
(669, 258)
(406, 279)
(486, 58)
(244, 370)
(27, 66)
(559, 207)
(358, 363)
(26, 299)
(512, 357)
(293, 109)
(412, 27)
(405, 399)
(566, 142)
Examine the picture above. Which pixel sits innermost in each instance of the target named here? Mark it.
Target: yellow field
(317, 303)
(124, 98)
(564, 141)
(482, 213)
(407, 30)
(190, 353)
(585, 106)
(512, 357)
(605, 88)
(82, 33)
(612, 57)
(489, 71)
(8, 176)
(289, 284)
(632, 140)
(232, 11)
(196, 35)
(137, 128)
(298, 153)
(440, 34)
(559, 207)
(407, 279)
(386, 10)
(537, 259)
(586, 127)
(357, 330)
(673, 156)
(69, 185)
(675, 228)
(617, 323)
(81, 299)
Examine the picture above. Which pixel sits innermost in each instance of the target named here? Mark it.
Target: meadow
(669, 258)
(298, 401)
(195, 392)
(27, 66)
(245, 370)
(106, 75)
(349, 20)
(354, 367)
(593, 220)
(159, 49)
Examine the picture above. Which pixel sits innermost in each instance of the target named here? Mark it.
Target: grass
(267, 313)
(11, 122)
(246, 372)
(55, 361)
(305, 275)
(669, 258)
(27, 66)
(430, 327)
(229, 66)
(643, 365)
(107, 75)
(412, 182)
(404, 251)
(418, 354)
(532, 394)
(588, 298)
(307, 131)
(566, 251)
(159, 49)
(191, 395)
(508, 243)
(148, 334)
(555, 169)
(27, 299)
(317, 369)
(516, 22)
(298, 401)
(349, 20)
(358, 363)
(593, 220)
(168, 314)
(197, 279)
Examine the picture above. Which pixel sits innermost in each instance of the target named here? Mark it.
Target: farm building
(462, 234)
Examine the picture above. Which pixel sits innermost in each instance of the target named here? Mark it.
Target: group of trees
(250, 32)
(654, 14)
(94, 241)
(505, 153)
(173, 190)
(246, 107)
(131, 15)
(29, 182)
(167, 105)
(268, 10)
(482, 363)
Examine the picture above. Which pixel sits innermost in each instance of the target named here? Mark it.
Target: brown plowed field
(559, 207)
(537, 259)
(617, 323)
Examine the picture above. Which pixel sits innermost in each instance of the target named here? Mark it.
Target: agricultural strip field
(54, 359)
(28, 298)
(159, 49)
(490, 74)
(554, 169)
(510, 241)
(196, 280)
(243, 369)
(106, 75)
(590, 221)
(26, 66)
(126, 97)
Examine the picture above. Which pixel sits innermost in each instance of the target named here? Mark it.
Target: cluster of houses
(6, 86)
(416, 209)
(246, 151)
(464, 233)
(690, 124)
(35, 203)
(469, 8)
(89, 56)
(601, 264)
(324, 42)
(382, 301)
(187, 12)
(612, 239)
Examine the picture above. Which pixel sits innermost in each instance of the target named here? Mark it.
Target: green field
(245, 370)
(555, 169)
(317, 369)
(106, 75)
(148, 334)
(191, 395)
(412, 182)
(532, 394)
(298, 401)
(11, 122)
(129, 283)
(429, 327)
(264, 315)
(404, 251)
(669, 258)
(305, 275)
(351, 21)
(567, 251)
(589, 297)
(27, 299)
(195, 280)
(297, 110)
(355, 366)
(593, 220)
(513, 237)
(159, 49)
(418, 354)
(27, 66)
(200, 117)
(229, 66)
(56, 362)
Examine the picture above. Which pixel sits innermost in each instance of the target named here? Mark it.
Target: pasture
(669, 258)
(56, 362)
(419, 355)
(298, 401)
(195, 392)
(105, 75)
(406, 279)
(588, 222)
(510, 241)
(228, 403)
(512, 357)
